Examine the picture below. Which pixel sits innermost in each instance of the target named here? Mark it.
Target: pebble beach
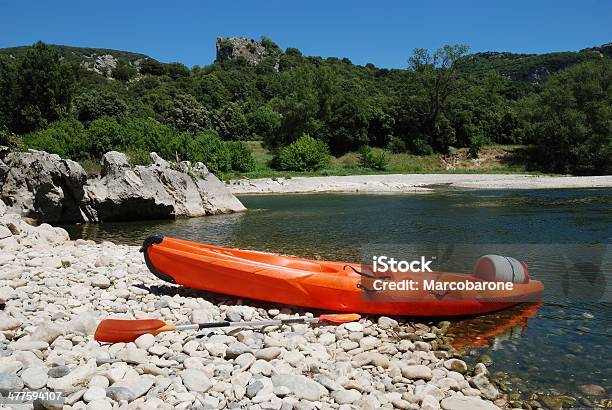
(55, 291)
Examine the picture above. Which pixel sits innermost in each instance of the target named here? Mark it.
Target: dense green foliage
(571, 120)
(443, 99)
(372, 158)
(304, 154)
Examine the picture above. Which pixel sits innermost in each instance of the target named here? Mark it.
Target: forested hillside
(80, 103)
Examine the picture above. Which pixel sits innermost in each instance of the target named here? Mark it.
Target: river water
(565, 236)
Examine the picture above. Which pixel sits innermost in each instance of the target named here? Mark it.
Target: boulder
(156, 191)
(42, 186)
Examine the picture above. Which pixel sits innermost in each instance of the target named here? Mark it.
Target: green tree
(571, 120)
(43, 88)
(230, 123)
(95, 104)
(211, 92)
(8, 73)
(177, 70)
(264, 123)
(152, 67)
(184, 113)
(124, 71)
(437, 72)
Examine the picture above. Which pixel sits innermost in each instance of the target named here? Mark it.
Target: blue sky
(380, 32)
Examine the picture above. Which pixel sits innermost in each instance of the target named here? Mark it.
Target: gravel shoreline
(56, 290)
(399, 183)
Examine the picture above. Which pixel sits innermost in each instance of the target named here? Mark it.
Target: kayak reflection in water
(491, 330)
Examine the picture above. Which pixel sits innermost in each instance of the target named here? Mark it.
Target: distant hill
(530, 68)
(99, 60)
(79, 54)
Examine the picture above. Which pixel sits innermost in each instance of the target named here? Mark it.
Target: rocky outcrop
(157, 191)
(233, 48)
(46, 188)
(42, 186)
(604, 50)
(101, 64)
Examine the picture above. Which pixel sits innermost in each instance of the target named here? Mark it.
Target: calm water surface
(564, 236)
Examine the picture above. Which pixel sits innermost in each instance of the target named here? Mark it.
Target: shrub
(138, 156)
(373, 158)
(105, 134)
(305, 154)
(208, 148)
(66, 138)
(420, 147)
(10, 140)
(242, 158)
(124, 71)
(477, 141)
(396, 145)
(149, 135)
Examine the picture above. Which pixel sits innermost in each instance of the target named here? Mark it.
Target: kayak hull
(322, 285)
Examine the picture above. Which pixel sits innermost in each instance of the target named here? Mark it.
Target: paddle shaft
(271, 322)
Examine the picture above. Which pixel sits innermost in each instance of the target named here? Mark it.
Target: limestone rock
(417, 371)
(35, 377)
(136, 386)
(9, 382)
(456, 365)
(234, 48)
(196, 380)
(346, 396)
(154, 192)
(458, 402)
(43, 186)
(483, 383)
(301, 386)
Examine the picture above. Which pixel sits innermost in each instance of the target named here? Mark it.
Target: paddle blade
(338, 319)
(118, 330)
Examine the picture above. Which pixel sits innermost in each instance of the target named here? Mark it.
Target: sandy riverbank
(413, 183)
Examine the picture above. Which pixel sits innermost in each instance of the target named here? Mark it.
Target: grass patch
(404, 163)
(348, 164)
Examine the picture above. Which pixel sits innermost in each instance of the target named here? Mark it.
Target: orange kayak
(326, 285)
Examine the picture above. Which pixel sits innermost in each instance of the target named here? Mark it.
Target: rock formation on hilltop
(46, 188)
(604, 50)
(252, 51)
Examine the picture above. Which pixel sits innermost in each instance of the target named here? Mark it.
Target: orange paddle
(126, 330)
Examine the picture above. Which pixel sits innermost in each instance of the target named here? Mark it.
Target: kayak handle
(367, 289)
(151, 240)
(364, 274)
